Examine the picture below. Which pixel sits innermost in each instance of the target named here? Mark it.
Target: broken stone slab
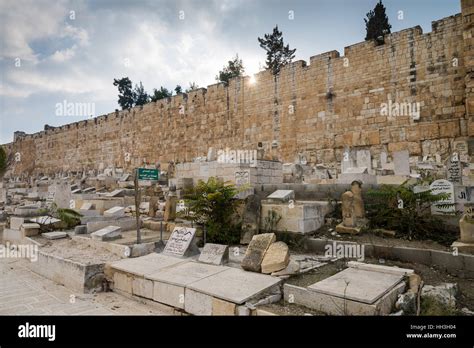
(80, 229)
(292, 268)
(54, 235)
(115, 211)
(215, 254)
(276, 258)
(358, 285)
(125, 223)
(30, 229)
(282, 195)
(380, 268)
(107, 233)
(88, 189)
(255, 253)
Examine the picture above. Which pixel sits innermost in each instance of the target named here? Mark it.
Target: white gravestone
(442, 186)
(179, 241)
(454, 170)
(242, 178)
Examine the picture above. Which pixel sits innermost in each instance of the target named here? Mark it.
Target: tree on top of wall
(160, 94)
(278, 55)
(178, 89)
(126, 96)
(192, 87)
(140, 96)
(377, 24)
(234, 68)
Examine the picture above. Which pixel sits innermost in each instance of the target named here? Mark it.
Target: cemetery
(292, 195)
(281, 244)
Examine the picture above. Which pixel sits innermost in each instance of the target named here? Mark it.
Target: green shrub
(213, 204)
(414, 220)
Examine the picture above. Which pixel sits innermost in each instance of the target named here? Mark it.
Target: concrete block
(169, 294)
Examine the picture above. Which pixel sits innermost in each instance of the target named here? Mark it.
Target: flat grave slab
(146, 265)
(358, 285)
(186, 273)
(234, 285)
(282, 195)
(54, 235)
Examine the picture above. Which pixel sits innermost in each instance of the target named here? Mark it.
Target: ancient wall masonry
(316, 110)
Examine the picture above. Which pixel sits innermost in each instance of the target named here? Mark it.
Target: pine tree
(160, 94)
(140, 96)
(377, 24)
(3, 160)
(234, 68)
(178, 89)
(278, 55)
(126, 98)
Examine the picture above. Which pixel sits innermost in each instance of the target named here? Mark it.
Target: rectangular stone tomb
(234, 285)
(54, 235)
(180, 242)
(215, 254)
(358, 285)
(146, 265)
(107, 233)
(115, 211)
(282, 195)
(30, 229)
(116, 193)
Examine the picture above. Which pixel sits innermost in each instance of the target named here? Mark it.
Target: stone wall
(313, 110)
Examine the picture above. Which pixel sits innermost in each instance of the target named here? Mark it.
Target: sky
(58, 54)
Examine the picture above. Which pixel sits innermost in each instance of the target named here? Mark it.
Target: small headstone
(401, 160)
(54, 235)
(256, 250)
(180, 241)
(364, 159)
(116, 193)
(353, 210)
(115, 211)
(215, 254)
(242, 178)
(454, 169)
(276, 258)
(87, 206)
(107, 233)
(282, 195)
(443, 186)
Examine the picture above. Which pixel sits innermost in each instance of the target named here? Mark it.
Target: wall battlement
(315, 110)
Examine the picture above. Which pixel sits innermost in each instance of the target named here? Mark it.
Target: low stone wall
(461, 265)
(73, 275)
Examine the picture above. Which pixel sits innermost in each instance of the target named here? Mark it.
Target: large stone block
(276, 258)
(256, 251)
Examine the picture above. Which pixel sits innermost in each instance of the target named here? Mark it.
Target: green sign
(148, 174)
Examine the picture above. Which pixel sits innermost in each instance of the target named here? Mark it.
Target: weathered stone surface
(358, 285)
(256, 251)
(54, 235)
(115, 211)
(276, 258)
(234, 285)
(444, 293)
(107, 233)
(282, 195)
(216, 254)
(30, 229)
(292, 268)
(466, 226)
(221, 307)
